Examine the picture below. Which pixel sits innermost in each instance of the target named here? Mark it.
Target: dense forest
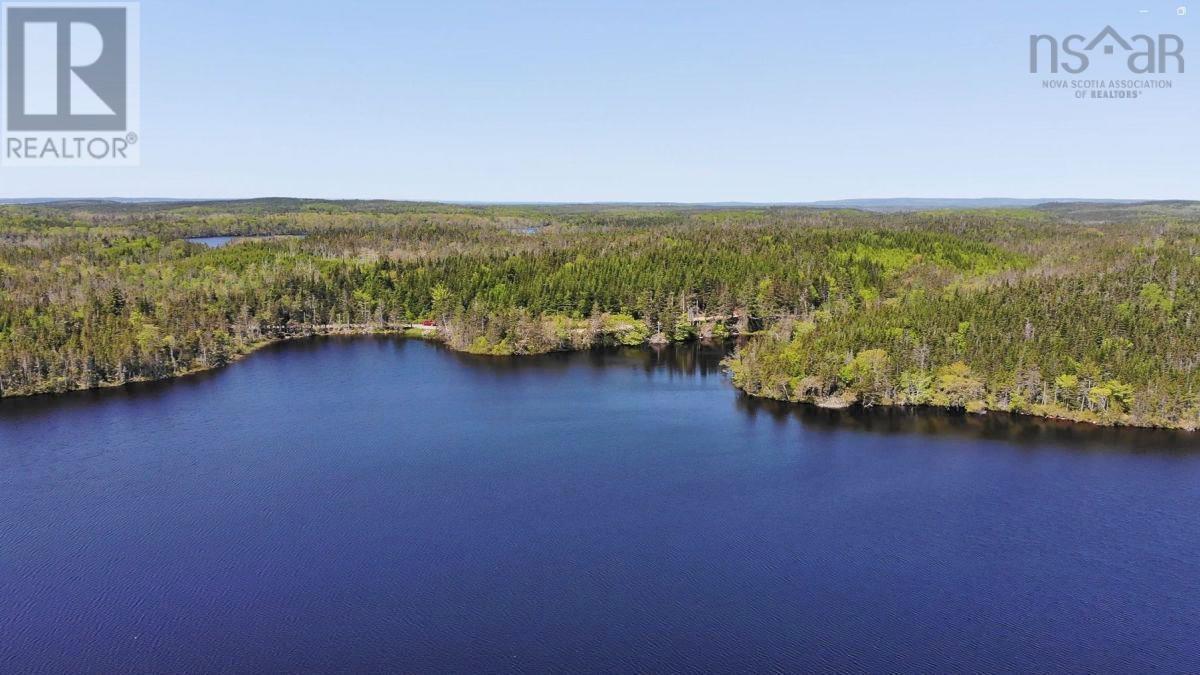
(1086, 312)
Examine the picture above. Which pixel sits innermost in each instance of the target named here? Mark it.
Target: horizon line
(604, 202)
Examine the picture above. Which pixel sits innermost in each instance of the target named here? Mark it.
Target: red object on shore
(428, 323)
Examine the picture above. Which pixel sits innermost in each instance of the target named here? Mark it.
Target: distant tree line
(1017, 310)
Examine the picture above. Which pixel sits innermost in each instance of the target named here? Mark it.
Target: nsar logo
(1162, 53)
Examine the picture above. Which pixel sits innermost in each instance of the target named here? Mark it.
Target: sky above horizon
(637, 101)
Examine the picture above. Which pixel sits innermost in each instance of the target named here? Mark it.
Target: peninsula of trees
(1085, 312)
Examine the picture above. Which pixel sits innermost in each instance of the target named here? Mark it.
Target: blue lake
(213, 242)
(218, 242)
(385, 505)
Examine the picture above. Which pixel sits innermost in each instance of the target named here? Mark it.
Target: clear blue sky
(636, 101)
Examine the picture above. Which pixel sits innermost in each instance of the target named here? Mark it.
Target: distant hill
(97, 200)
(1096, 212)
(250, 206)
(927, 204)
(1075, 209)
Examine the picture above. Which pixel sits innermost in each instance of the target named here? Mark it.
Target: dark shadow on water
(693, 358)
(1022, 430)
(687, 359)
(24, 406)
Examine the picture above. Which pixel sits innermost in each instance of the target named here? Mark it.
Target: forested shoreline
(1086, 314)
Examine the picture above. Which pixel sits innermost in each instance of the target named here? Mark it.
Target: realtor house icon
(1108, 32)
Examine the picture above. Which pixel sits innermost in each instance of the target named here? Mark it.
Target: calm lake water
(218, 242)
(382, 505)
(213, 242)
